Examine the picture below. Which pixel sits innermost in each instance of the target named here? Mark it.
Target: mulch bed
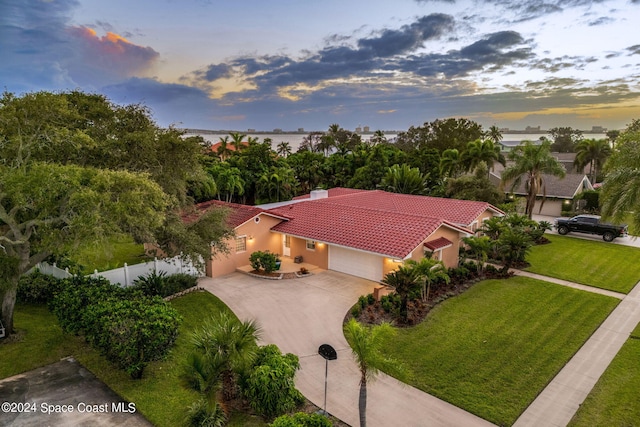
(374, 314)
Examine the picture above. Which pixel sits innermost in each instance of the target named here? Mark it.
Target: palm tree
(237, 140)
(450, 163)
(366, 345)
(403, 280)
(512, 246)
(428, 271)
(277, 184)
(532, 162)
(621, 190)
(478, 247)
(404, 179)
(482, 151)
(494, 134)
(284, 149)
(377, 138)
(223, 150)
(228, 345)
(592, 152)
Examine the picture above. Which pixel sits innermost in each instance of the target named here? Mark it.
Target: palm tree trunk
(362, 401)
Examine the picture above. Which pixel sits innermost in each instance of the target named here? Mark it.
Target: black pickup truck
(590, 224)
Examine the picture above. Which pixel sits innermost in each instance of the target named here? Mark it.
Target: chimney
(319, 193)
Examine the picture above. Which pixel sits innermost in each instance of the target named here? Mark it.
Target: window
(241, 244)
(311, 245)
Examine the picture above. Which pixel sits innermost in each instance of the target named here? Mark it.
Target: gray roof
(561, 188)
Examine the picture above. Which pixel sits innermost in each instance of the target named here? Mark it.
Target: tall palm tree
(229, 344)
(378, 137)
(450, 163)
(482, 151)
(592, 152)
(366, 344)
(223, 150)
(494, 134)
(237, 140)
(283, 149)
(532, 162)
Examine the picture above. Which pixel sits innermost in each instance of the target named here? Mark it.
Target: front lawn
(600, 264)
(492, 349)
(614, 399)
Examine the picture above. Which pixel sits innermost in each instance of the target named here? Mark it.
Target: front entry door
(286, 245)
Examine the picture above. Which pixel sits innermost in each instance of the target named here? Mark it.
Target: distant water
(295, 139)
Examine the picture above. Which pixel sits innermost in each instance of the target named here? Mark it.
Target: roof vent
(319, 194)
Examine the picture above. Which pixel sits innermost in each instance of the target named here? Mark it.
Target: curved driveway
(298, 316)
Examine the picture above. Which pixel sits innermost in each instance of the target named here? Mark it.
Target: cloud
(635, 49)
(41, 50)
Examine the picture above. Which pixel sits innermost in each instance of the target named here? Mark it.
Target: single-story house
(360, 232)
(559, 192)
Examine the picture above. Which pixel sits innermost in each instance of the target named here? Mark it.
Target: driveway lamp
(328, 353)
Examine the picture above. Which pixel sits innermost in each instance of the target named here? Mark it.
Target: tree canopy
(76, 169)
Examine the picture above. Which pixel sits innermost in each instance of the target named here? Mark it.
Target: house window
(241, 244)
(311, 245)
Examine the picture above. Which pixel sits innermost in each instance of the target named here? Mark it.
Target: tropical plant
(532, 162)
(482, 150)
(512, 246)
(223, 150)
(301, 419)
(283, 149)
(592, 152)
(620, 196)
(279, 183)
(478, 247)
(428, 271)
(450, 163)
(269, 385)
(403, 179)
(366, 344)
(564, 139)
(229, 344)
(494, 134)
(204, 413)
(237, 140)
(404, 280)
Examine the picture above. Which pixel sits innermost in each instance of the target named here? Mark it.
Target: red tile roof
(337, 191)
(238, 214)
(439, 243)
(461, 212)
(388, 233)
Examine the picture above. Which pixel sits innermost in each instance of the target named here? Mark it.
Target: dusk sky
(291, 64)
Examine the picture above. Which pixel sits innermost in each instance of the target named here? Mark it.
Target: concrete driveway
(299, 315)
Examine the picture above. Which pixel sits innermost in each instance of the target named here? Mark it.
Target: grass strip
(599, 264)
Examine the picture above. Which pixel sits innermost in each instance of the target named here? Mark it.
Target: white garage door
(355, 263)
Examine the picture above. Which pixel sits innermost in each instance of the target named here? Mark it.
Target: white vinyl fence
(126, 275)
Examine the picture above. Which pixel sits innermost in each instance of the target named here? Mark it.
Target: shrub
(75, 295)
(371, 299)
(159, 284)
(356, 310)
(269, 386)
(37, 288)
(206, 413)
(265, 260)
(301, 419)
(132, 333)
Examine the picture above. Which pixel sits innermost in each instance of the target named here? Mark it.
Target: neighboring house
(559, 191)
(358, 232)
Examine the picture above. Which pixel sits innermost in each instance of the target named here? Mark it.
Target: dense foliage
(128, 328)
(301, 419)
(269, 385)
(159, 284)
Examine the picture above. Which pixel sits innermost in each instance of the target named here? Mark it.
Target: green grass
(614, 399)
(159, 395)
(599, 264)
(491, 350)
(100, 258)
